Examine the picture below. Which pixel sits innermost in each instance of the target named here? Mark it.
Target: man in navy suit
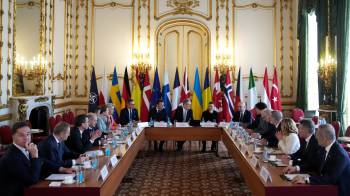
(183, 114)
(20, 166)
(158, 113)
(56, 156)
(308, 157)
(335, 169)
(76, 142)
(242, 115)
(129, 113)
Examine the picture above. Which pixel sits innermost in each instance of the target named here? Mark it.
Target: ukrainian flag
(114, 93)
(197, 101)
(206, 91)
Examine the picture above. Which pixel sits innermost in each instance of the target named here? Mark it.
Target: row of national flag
(225, 103)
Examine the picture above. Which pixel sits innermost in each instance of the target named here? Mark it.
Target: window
(312, 63)
(347, 97)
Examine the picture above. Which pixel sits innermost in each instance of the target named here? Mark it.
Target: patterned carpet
(186, 173)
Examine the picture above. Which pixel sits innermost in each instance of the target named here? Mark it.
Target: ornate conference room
(174, 97)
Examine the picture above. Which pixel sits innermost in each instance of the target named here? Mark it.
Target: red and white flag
(228, 105)
(185, 92)
(217, 96)
(146, 97)
(275, 97)
(265, 95)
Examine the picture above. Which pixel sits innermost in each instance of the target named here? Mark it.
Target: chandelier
(141, 62)
(223, 62)
(31, 69)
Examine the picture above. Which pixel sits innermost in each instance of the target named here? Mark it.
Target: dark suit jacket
(86, 135)
(269, 135)
(179, 115)
(335, 170)
(255, 123)
(212, 117)
(55, 156)
(308, 158)
(124, 116)
(77, 143)
(17, 172)
(158, 116)
(246, 117)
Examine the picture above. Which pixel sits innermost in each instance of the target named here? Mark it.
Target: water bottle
(151, 122)
(265, 154)
(79, 175)
(108, 151)
(169, 122)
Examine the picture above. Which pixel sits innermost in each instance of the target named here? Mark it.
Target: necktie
(130, 115)
(27, 154)
(185, 115)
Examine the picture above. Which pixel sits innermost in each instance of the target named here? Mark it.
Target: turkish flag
(275, 98)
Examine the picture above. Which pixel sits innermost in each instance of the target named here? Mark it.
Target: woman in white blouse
(288, 140)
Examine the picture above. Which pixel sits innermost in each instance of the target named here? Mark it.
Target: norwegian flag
(146, 97)
(228, 105)
(185, 92)
(217, 96)
(275, 98)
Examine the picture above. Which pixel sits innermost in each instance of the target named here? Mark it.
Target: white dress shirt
(289, 144)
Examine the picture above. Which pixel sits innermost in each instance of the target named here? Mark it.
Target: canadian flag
(275, 97)
(185, 92)
(265, 96)
(217, 96)
(146, 97)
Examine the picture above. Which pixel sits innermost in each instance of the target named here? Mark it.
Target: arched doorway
(182, 43)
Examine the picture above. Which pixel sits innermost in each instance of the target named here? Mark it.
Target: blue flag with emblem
(93, 95)
(156, 94)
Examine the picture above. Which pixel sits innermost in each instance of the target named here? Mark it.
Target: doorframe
(184, 22)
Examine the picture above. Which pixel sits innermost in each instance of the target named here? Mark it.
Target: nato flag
(93, 96)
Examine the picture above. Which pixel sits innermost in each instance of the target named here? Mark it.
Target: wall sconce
(223, 63)
(141, 61)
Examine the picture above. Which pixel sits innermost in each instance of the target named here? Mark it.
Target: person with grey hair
(308, 157)
(183, 114)
(335, 167)
(273, 127)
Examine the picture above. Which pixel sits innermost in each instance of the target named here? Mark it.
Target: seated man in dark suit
(56, 156)
(92, 129)
(76, 142)
(129, 113)
(242, 115)
(20, 166)
(335, 169)
(212, 116)
(259, 108)
(183, 114)
(158, 114)
(274, 125)
(308, 157)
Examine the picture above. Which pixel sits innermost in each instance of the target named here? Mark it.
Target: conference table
(94, 185)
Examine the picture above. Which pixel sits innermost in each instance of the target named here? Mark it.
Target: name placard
(254, 161)
(138, 130)
(134, 135)
(224, 124)
(244, 149)
(265, 174)
(160, 124)
(208, 124)
(182, 124)
(129, 142)
(143, 124)
(104, 172)
(114, 160)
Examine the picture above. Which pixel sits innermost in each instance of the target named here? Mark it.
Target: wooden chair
(347, 133)
(297, 114)
(315, 119)
(58, 118)
(5, 135)
(52, 123)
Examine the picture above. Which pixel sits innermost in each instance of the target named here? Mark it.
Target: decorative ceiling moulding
(188, 7)
(112, 4)
(254, 5)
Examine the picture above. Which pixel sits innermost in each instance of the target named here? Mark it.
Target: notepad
(58, 177)
(291, 176)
